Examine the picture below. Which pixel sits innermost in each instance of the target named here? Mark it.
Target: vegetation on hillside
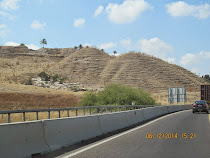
(117, 94)
(206, 78)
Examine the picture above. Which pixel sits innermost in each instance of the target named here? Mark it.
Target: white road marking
(119, 135)
(209, 117)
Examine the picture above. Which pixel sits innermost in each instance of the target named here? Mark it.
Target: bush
(55, 78)
(89, 99)
(117, 94)
(28, 82)
(62, 80)
(44, 76)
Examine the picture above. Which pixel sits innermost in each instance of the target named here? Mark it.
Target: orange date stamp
(170, 135)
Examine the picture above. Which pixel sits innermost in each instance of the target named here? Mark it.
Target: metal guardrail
(98, 109)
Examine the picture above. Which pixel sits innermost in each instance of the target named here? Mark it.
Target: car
(200, 106)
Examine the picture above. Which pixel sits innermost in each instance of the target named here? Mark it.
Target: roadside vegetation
(117, 94)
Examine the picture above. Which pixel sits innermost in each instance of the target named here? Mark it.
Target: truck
(205, 93)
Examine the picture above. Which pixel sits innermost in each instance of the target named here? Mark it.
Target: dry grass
(17, 101)
(162, 98)
(20, 69)
(18, 117)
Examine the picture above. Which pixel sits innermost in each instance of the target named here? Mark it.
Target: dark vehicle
(205, 93)
(200, 106)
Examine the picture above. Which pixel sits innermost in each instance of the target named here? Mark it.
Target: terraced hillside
(83, 66)
(92, 67)
(152, 74)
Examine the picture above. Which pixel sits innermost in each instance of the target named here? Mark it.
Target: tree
(75, 47)
(102, 50)
(80, 46)
(43, 41)
(115, 52)
(44, 76)
(22, 44)
(206, 78)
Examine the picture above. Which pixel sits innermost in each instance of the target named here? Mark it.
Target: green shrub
(89, 99)
(44, 76)
(62, 80)
(28, 82)
(55, 78)
(117, 94)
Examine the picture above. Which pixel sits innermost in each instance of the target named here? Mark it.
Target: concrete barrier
(113, 121)
(22, 139)
(164, 110)
(172, 108)
(30, 138)
(67, 131)
(135, 116)
(150, 113)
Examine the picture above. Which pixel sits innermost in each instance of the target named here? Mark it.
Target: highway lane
(191, 138)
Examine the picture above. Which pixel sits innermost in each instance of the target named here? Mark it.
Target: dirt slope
(152, 74)
(83, 66)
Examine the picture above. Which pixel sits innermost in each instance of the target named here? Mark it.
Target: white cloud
(9, 4)
(125, 42)
(155, 47)
(197, 63)
(171, 60)
(79, 22)
(192, 59)
(126, 12)
(195, 70)
(107, 45)
(37, 25)
(98, 10)
(30, 46)
(3, 30)
(181, 8)
(10, 43)
(3, 26)
(9, 16)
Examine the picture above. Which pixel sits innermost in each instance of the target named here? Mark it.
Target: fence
(87, 110)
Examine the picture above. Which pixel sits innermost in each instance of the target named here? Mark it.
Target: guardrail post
(48, 114)
(68, 113)
(83, 111)
(90, 111)
(76, 112)
(115, 109)
(24, 116)
(8, 117)
(106, 110)
(37, 115)
(59, 114)
(111, 110)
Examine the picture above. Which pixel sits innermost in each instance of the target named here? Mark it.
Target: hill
(152, 74)
(92, 67)
(83, 66)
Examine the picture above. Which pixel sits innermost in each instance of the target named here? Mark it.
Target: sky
(175, 31)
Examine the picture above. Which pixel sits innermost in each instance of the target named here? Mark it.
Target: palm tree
(43, 41)
(115, 52)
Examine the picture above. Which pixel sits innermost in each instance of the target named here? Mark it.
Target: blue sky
(175, 31)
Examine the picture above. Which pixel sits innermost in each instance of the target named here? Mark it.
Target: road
(190, 132)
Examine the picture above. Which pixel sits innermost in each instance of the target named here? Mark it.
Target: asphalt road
(186, 135)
